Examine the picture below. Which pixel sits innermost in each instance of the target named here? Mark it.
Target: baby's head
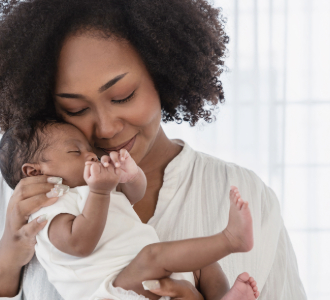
(51, 148)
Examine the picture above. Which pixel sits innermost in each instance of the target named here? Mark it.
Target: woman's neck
(160, 155)
(162, 152)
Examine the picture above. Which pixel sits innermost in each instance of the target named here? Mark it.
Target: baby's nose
(92, 157)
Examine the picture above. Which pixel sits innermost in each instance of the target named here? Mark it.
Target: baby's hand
(124, 162)
(100, 179)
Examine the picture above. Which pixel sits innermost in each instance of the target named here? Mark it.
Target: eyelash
(79, 113)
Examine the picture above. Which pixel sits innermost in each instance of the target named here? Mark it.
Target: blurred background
(276, 118)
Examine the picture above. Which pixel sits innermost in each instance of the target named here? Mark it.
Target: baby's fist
(122, 160)
(100, 179)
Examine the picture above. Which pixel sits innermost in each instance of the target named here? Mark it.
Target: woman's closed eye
(81, 112)
(78, 113)
(126, 99)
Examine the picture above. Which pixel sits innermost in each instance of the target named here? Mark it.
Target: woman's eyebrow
(103, 88)
(111, 83)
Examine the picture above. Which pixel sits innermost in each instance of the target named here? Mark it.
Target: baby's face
(66, 154)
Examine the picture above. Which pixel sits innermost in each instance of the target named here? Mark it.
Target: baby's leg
(159, 260)
(213, 284)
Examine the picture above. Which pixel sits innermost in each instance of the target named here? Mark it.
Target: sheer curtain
(276, 118)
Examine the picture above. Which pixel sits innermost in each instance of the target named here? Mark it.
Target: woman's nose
(107, 125)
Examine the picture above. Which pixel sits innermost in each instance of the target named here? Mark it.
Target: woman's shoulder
(247, 181)
(217, 165)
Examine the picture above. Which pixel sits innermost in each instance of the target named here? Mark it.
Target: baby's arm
(133, 182)
(79, 235)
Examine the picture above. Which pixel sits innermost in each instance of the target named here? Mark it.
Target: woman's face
(104, 89)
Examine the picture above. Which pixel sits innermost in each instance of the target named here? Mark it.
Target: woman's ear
(31, 170)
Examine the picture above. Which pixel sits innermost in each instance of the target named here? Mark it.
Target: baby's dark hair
(23, 142)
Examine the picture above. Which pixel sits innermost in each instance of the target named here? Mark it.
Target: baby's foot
(244, 288)
(239, 230)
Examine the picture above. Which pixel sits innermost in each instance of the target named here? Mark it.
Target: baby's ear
(31, 170)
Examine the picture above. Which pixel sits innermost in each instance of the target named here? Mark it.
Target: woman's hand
(177, 289)
(19, 238)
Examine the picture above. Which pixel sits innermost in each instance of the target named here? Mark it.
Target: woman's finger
(31, 205)
(176, 289)
(31, 229)
(23, 192)
(40, 179)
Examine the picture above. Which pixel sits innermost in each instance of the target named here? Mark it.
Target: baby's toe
(239, 203)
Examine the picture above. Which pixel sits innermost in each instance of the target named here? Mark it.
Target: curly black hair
(182, 43)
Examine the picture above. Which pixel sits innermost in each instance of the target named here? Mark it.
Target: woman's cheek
(147, 111)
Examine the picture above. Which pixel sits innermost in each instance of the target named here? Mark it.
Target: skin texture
(182, 43)
(85, 64)
(31, 36)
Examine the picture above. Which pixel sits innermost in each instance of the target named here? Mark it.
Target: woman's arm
(19, 238)
(9, 278)
(79, 235)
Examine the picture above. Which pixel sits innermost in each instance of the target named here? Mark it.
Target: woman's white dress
(194, 202)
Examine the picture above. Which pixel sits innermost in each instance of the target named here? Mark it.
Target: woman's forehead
(87, 60)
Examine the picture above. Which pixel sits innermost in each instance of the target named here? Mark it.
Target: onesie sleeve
(66, 204)
(283, 281)
(276, 264)
(272, 261)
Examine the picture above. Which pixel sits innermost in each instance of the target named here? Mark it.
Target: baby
(94, 245)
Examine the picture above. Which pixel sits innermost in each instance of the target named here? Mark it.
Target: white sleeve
(66, 204)
(282, 281)
(5, 194)
(272, 261)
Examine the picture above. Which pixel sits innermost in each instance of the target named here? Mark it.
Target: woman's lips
(127, 145)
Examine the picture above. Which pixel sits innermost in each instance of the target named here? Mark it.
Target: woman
(115, 69)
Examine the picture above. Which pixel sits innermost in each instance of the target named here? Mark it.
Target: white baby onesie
(91, 277)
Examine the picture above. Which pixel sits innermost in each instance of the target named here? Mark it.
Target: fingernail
(58, 191)
(55, 180)
(53, 193)
(151, 284)
(117, 164)
(42, 218)
(61, 189)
